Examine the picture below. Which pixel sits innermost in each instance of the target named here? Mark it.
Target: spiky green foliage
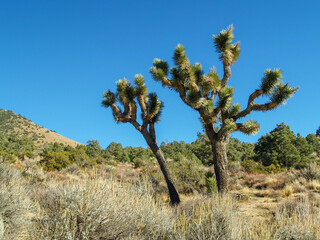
(141, 88)
(125, 91)
(160, 64)
(235, 49)
(230, 125)
(180, 55)
(223, 41)
(270, 79)
(225, 98)
(159, 69)
(207, 106)
(157, 73)
(281, 93)
(109, 98)
(154, 107)
(193, 97)
(235, 109)
(197, 72)
(250, 127)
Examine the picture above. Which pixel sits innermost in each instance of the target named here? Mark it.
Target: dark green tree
(314, 141)
(318, 132)
(128, 96)
(303, 147)
(213, 98)
(281, 146)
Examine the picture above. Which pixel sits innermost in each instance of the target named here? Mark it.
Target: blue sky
(58, 57)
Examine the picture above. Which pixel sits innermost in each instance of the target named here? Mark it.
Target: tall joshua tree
(151, 108)
(213, 98)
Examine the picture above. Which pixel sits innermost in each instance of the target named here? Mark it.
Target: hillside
(11, 123)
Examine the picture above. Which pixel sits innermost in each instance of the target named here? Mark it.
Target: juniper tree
(151, 107)
(213, 98)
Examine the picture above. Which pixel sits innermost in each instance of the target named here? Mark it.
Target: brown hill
(11, 123)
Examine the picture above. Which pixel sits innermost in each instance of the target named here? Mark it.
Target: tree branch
(136, 125)
(153, 132)
(226, 75)
(250, 104)
(143, 109)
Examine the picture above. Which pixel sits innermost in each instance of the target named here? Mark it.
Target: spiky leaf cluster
(249, 127)
(223, 43)
(270, 79)
(109, 98)
(281, 93)
(235, 109)
(229, 125)
(207, 107)
(154, 107)
(125, 91)
(180, 55)
(141, 88)
(193, 97)
(225, 98)
(159, 69)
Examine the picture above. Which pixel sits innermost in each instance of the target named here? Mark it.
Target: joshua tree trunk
(219, 149)
(173, 193)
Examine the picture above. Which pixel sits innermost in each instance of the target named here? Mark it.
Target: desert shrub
(32, 172)
(15, 204)
(211, 183)
(55, 161)
(297, 219)
(82, 159)
(256, 167)
(24, 155)
(141, 162)
(311, 172)
(234, 166)
(100, 209)
(6, 157)
(215, 218)
(189, 174)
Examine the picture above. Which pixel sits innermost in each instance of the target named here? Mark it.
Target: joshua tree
(151, 110)
(213, 99)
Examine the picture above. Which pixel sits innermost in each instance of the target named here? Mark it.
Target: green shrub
(256, 167)
(211, 183)
(6, 157)
(190, 175)
(55, 161)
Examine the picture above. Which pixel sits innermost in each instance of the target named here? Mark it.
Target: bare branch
(226, 75)
(250, 104)
(152, 132)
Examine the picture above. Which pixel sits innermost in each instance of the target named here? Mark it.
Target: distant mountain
(11, 123)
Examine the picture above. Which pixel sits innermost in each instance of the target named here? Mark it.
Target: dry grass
(114, 204)
(16, 207)
(287, 191)
(313, 185)
(297, 219)
(99, 209)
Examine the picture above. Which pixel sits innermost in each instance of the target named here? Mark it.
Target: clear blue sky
(58, 57)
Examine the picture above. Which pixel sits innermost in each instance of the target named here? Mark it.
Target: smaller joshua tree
(151, 108)
(213, 99)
